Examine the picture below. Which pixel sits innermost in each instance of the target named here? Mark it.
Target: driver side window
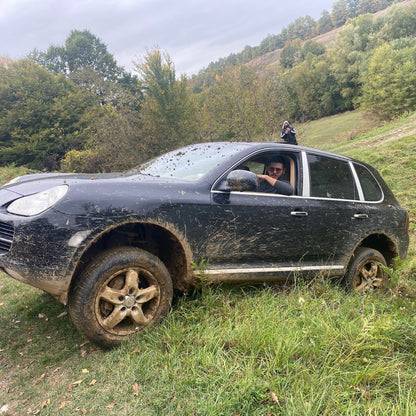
(259, 164)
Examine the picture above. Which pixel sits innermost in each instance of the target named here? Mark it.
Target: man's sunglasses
(272, 169)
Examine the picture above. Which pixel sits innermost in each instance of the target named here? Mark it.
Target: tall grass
(307, 349)
(310, 350)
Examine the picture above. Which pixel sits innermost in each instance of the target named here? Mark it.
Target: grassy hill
(303, 349)
(269, 62)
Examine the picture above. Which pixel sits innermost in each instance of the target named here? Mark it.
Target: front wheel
(365, 271)
(122, 291)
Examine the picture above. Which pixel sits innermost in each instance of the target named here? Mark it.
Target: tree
(40, 115)
(348, 53)
(242, 105)
(301, 28)
(324, 23)
(339, 13)
(247, 54)
(5, 62)
(353, 8)
(311, 49)
(167, 113)
(86, 61)
(114, 142)
(116, 94)
(270, 43)
(291, 53)
(389, 80)
(400, 23)
(314, 92)
(82, 50)
(372, 6)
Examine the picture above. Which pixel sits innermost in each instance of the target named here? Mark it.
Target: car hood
(115, 194)
(37, 182)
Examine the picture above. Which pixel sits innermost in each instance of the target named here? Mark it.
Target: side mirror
(242, 180)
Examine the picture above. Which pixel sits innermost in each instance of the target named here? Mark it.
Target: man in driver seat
(271, 182)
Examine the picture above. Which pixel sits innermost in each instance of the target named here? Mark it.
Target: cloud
(193, 32)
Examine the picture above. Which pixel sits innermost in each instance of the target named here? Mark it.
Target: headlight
(37, 203)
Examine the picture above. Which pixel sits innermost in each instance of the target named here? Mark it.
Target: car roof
(278, 146)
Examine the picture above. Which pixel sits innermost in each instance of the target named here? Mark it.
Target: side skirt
(270, 273)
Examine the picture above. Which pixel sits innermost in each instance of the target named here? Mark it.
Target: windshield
(192, 162)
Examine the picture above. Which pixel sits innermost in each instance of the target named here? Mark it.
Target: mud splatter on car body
(123, 243)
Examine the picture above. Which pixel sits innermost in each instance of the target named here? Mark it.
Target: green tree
(311, 49)
(324, 23)
(389, 80)
(340, 13)
(372, 6)
(40, 115)
(353, 7)
(167, 113)
(400, 23)
(242, 105)
(247, 54)
(117, 94)
(82, 50)
(355, 39)
(314, 92)
(270, 43)
(291, 53)
(86, 61)
(114, 142)
(302, 28)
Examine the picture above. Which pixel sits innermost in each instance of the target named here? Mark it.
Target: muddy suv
(116, 247)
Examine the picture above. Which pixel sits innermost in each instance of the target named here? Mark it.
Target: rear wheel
(365, 272)
(122, 291)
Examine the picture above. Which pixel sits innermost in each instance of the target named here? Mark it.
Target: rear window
(331, 178)
(369, 185)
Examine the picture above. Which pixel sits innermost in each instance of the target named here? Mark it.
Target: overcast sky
(193, 32)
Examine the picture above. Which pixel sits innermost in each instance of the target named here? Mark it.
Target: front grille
(6, 237)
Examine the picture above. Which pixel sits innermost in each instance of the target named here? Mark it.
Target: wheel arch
(161, 240)
(382, 243)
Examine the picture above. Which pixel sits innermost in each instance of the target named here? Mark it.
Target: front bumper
(42, 251)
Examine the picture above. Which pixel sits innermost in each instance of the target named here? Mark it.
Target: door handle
(298, 214)
(360, 216)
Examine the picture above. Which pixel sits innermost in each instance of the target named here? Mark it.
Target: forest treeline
(72, 107)
(303, 28)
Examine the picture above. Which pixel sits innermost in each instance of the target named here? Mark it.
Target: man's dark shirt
(280, 187)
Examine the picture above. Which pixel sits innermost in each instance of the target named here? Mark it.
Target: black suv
(117, 246)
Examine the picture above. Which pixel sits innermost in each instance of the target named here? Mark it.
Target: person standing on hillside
(288, 133)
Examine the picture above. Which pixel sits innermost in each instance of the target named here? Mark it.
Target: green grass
(334, 130)
(310, 350)
(307, 349)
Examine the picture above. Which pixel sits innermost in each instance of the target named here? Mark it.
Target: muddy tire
(364, 272)
(123, 291)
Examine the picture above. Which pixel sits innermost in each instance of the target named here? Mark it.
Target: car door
(257, 227)
(337, 218)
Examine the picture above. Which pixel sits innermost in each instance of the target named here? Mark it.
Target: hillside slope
(269, 62)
